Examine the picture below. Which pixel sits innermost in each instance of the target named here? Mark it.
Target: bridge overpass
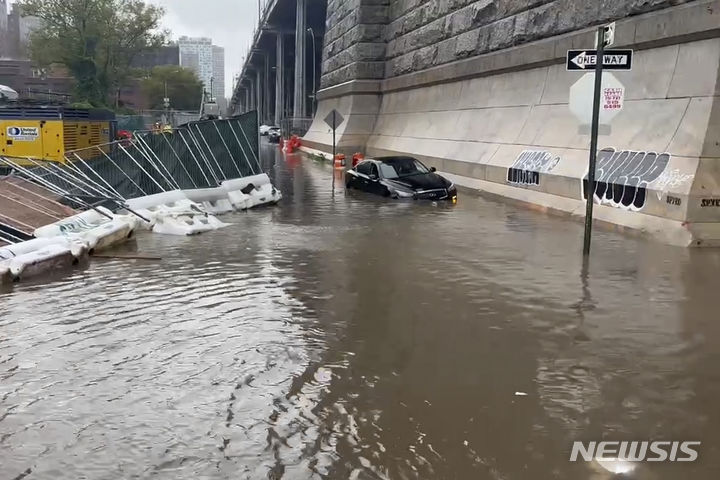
(281, 72)
(479, 89)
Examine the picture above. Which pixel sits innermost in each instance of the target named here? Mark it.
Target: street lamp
(312, 35)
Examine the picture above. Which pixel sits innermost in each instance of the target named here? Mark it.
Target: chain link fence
(198, 155)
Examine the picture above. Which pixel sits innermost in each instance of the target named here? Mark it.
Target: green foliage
(95, 39)
(81, 105)
(183, 88)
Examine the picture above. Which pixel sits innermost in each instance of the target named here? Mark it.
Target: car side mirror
(373, 176)
(433, 169)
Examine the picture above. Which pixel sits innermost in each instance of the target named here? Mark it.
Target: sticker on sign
(23, 134)
(612, 98)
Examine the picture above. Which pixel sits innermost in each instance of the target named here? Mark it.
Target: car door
(362, 179)
(374, 185)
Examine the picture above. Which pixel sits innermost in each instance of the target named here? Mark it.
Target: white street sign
(609, 35)
(612, 98)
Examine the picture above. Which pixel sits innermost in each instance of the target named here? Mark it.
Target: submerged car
(274, 135)
(400, 177)
(265, 129)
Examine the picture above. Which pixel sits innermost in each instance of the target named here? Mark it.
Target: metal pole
(279, 77)
(192, 154)
(146, 148)
(257, 161)
(111, 189)
(141, 167)
(228, 149)
(245, 155)
(180, 162)
(247, 159)
(122, 171)
(594, 141)
(203, 156)
(197, 127)
(299, 93)
(314, 53)
(332, 162)
(82, 178)
(52, 187)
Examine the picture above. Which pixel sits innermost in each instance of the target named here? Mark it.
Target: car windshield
(402, 167)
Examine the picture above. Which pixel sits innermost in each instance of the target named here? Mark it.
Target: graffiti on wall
(623, 176)
(670, 180)
(529, 165)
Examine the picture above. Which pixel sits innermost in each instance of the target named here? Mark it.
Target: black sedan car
(400, 177)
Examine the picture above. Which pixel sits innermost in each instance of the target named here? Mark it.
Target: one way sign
(587, 59)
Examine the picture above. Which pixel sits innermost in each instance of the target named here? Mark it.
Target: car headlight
(451, 186)
(404, 193)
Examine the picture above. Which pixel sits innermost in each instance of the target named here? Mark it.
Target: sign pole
(594, 141)
(332, 162)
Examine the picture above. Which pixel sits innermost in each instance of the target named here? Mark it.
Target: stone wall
(354, 48)
(375, 39)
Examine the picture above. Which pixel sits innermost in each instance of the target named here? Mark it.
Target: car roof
(394, 159)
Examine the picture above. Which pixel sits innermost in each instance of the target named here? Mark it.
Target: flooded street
(352, 337)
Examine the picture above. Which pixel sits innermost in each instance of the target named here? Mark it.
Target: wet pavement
(351, 337)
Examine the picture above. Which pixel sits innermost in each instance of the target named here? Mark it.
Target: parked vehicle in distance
(274, 135)
(400, 177)
(265, 129)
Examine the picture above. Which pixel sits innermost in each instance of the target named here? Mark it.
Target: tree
(183, 88)
(95, 39)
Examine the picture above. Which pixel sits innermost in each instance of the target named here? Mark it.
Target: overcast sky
(228, 22)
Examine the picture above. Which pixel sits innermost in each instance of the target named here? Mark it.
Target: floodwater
(351, 337)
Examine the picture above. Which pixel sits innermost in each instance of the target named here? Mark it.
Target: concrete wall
(500, 121)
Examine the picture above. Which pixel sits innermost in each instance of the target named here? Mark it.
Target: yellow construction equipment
(50, 132)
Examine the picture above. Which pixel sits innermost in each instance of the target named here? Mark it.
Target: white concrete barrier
(93, 228)
(39, 256)
(173, 213)
(248, 192)
(213, 200)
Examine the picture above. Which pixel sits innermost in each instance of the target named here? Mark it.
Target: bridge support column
(259, 95)
(279, 77)
(246, 105)
(267, 110)
(300, 46)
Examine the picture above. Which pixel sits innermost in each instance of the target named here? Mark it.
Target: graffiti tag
(670, 180)
(622, 177)
(529, 165)
(710, 202)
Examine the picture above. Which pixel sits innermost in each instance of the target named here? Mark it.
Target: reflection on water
(352, 337)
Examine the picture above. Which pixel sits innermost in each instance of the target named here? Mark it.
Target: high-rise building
(4, 36)
(197, 54)
(218, 72)
(208, 62)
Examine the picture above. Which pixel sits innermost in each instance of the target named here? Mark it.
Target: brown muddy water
(358, 338)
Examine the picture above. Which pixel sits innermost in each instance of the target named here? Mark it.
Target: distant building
(218, 72)
(208, 62)
(53, 85)
(167, 55)
(15, 31)
(4, 38)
